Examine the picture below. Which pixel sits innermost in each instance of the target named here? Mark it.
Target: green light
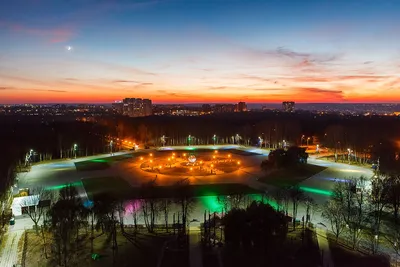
(98, 160)
(316, 191)
(58, 187)
(191, 148)
(211, 203)
(258, 197)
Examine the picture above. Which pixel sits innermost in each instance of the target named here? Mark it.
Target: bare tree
(165, 205)
(150, 205)
(378, 200)
(64, 216)
(352, 196)
(296, 195)
(333, 212)
(34, 208)
(133, 208)
(184, 198)
(394, 195)
(310, 207)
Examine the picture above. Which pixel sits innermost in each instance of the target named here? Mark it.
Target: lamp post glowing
(111, 147)
(189, 139)
(75, 149)
(214, 139)
(163, 141)
(301, 140)
(308, 139)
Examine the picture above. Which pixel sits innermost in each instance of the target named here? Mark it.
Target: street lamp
(111, 147)
(75, 149)
(308, 139)
(189, 139)
(163, 140)
(214, 139)
(301, 140)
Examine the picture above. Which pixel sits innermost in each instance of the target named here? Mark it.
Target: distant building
(206, 108)
(148, 107)
(137, 107)
(288, 106)
(224, 108)
(241, 107)
(118, 107)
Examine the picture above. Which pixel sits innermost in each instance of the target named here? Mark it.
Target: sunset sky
(194, 51)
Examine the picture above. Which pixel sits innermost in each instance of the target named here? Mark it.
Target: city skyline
(199, 52)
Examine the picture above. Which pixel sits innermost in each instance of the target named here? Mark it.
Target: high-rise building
(241, 107)
(288, 106)
(118, 107)
(147, 107)
(137, 107)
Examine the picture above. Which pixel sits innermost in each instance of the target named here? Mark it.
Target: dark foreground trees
(258, 226)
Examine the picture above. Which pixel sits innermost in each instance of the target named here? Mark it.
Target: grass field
(291, 176)
(104, 163)
(121, 189)
(344, 257)
(144, 250)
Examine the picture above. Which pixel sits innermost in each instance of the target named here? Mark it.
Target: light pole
(111, 147)
(28, 157)
(348, 156)
(214, 139)
(260, 141)
(163, 141)
(301, 140)
(237, 139)
(75, 149)
(189, 139)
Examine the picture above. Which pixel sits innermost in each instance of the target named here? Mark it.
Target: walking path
(195, 253)
(9, 254)
(323, 244)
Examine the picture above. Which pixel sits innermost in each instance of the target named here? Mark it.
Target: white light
(69, 48)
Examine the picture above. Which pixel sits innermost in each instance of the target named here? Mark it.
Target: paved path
(9, 255)
(195, 253)
(323, 244)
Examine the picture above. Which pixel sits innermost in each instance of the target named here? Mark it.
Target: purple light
(132, 206)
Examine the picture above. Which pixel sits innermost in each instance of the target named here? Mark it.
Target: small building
(21, 204)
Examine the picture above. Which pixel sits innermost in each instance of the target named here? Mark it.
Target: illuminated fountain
(192, 160)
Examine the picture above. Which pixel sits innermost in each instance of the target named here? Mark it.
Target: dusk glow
(175, 51)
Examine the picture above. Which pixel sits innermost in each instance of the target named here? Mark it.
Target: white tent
(21, 202)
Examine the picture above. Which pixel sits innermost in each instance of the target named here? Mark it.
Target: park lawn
(345, 257)
(291, 176)
(143, 252)
(121, 189)
(104, 163)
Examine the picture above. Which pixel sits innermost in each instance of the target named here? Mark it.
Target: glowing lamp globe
(192, 159)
